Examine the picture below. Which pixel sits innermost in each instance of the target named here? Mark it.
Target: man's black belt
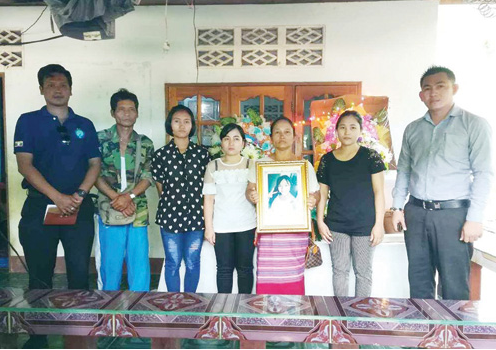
(439, 205)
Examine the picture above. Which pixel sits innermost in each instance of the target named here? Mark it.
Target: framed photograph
(282, 194)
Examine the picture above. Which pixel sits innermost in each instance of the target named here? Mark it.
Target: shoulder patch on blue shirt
(18, 144)
(79, 133)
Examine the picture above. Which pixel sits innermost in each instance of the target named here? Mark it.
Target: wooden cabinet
(210, 102)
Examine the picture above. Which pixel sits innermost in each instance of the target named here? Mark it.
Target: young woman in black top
(178, 169)
(354, 225)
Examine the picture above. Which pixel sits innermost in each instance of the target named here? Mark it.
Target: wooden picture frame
(282, 193)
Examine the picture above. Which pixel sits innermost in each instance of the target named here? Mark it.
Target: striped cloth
(281, 263)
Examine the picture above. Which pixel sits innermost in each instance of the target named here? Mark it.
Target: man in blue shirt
(445, 165)
(57, 153)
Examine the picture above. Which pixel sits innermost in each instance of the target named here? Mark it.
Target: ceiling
(213, 2)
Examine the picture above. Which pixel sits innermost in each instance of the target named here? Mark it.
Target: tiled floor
(20, 280)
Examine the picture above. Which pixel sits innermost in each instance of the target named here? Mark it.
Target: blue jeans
(177, 246)
(124, 242)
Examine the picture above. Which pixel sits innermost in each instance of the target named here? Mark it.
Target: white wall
(386, 45)
(390, 266)
(467, 44)
(469, 48)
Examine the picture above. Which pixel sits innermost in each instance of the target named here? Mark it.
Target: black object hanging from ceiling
(88, 19)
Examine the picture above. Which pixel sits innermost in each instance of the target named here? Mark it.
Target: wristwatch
(395, 209)
(132, 195)
(81, 193)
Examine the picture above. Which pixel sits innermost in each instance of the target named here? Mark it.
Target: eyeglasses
(64, 134)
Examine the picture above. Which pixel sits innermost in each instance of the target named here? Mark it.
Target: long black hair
(280, 179)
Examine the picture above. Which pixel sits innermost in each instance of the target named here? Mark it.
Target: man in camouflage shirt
(118, 146)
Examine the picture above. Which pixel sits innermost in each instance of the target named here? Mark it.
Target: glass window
(191, 103)
(273, 108)
(210, 109)
(207, 131)
(210, 115)
(251, 103)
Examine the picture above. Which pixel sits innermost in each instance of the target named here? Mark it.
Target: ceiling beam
(215, 2)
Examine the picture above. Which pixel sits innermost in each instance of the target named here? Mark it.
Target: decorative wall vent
(259, 57)
(215, 37)
(259, 36)
(304, 57)
(11, 55)
(261, 47)
(215, 58)
(305, 35)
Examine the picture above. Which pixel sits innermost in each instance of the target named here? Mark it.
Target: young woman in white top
(230, 219)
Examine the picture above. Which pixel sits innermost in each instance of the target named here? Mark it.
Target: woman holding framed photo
(230, 220)
(281, 255)
(354, 225)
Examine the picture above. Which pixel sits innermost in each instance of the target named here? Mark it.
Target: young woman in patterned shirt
(178, 169)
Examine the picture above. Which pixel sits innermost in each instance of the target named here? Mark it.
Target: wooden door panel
(177, 93)
(330, 90)
(243, 93)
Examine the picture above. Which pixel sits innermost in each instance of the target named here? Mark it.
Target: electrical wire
(31, 26)
(166, 22)
(196, 40)
(32, 42)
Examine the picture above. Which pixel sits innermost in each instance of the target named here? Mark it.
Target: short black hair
(230, 127)
(280, 119)
(123, 95)
(348, 113)
(52, 69)
(174, 110)
(438, 69)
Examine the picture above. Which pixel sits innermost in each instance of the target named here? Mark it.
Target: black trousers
(235, 250)
(40, 244)
(433, 243)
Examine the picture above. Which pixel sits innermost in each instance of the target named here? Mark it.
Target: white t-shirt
(123, 174)
(232, 211)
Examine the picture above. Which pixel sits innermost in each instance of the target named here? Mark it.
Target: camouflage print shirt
(111, 167)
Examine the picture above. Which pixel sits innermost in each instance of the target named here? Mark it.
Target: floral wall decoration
(257, 132)
(376, 133)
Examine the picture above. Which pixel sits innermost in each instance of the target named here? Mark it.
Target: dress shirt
(451, 160)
